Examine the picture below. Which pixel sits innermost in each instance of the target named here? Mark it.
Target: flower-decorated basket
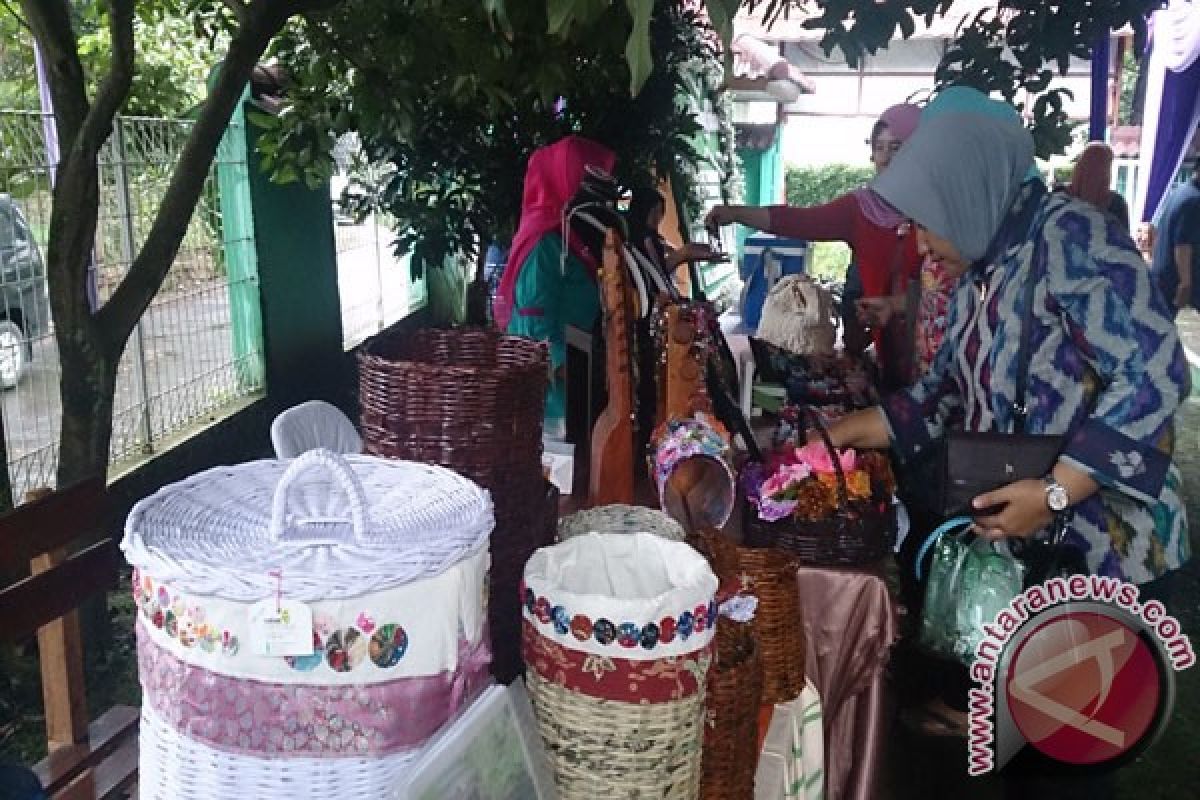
(691, 462)
(828, 507)
(304, 627)
(618, 632)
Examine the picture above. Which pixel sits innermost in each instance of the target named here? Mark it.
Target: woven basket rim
(211, 533)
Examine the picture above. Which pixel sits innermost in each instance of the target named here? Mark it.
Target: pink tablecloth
(850, 622)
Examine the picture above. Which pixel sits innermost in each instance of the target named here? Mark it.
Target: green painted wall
(297, 267)
(762, 175)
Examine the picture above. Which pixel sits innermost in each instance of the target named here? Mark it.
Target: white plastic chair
(311, 425)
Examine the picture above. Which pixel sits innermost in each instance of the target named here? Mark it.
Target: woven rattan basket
(471, 400)
(618, 518)
(770, 575)
(618, 635)
(778, 627)
(735, 686)
(384, 561)
(860, 531)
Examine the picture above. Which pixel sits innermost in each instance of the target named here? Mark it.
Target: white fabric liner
(638, 578)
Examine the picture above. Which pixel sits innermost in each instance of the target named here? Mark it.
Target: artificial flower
(817, 456)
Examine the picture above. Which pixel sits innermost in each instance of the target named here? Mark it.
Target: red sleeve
(832, 222)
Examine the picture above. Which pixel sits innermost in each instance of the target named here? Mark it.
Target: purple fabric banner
(1098, 122)
(1176, 126)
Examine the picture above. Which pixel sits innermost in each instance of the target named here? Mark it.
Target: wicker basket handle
(819, 426)
(319, 530)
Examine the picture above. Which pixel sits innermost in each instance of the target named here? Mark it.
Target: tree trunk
(87, 387)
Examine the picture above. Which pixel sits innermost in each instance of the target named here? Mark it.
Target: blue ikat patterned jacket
(1107, 369)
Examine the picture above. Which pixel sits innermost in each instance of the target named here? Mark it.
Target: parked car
(24, 303)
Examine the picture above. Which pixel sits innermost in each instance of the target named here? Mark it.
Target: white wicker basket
(389, 557)
(174, 767)
(334, 526)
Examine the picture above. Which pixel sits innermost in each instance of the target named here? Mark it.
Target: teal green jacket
(546, 300)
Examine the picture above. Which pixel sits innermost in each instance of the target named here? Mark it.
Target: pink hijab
(1093, 173)
(552, 177)
(901, 120)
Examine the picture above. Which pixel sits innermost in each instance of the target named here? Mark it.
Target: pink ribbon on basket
(471, 676)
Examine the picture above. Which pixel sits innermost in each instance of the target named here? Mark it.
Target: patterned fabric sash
(274, 719)
(620, 679)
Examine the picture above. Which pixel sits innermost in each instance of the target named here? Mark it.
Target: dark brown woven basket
(471, 400)
(735, 688)
(778, 627)
(859, 532)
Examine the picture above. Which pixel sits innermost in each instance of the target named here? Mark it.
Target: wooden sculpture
(686, 344)
(610, 479)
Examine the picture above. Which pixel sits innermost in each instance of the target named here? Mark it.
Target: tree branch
(125, 307)
(97, 126)
(238, 9)
(50, 21)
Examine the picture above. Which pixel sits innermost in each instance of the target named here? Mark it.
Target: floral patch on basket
(341, 649)
(624, 634)
(168, 612)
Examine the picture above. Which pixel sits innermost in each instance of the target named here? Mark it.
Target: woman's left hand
(1021, 510)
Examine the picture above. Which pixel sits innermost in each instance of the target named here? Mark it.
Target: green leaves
(637, 49)
(721, 12)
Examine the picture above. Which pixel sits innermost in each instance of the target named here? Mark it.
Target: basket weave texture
(173, 766)
(860, 534)
(609, 749)
(860, 531)
(471, 400)
(618, 518)
(735, 686)
(777, 627)
(618, 642)
(329, 526)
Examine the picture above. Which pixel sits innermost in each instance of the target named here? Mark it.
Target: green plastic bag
(971, 580)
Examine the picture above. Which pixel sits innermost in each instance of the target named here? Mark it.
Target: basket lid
(320, 526)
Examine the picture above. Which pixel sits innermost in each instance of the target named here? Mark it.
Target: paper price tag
(281, 628)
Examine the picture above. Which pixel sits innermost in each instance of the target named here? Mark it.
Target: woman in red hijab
(1091, 179)
(550, 283)
(884, 244)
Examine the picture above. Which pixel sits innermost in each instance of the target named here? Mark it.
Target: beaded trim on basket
(628, 635)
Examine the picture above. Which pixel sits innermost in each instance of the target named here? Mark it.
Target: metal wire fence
(192, 354)
(374, 284)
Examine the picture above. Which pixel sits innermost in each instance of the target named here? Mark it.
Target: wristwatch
(1058, 499)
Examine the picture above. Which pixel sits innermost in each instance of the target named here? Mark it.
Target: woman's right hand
(720, 216)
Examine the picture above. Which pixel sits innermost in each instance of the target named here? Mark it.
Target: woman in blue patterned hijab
(1106, 370)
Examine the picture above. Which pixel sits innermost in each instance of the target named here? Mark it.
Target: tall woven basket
(735, 687)
(471, 400)
(374, 569)
(777, 627)
(618, 632)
